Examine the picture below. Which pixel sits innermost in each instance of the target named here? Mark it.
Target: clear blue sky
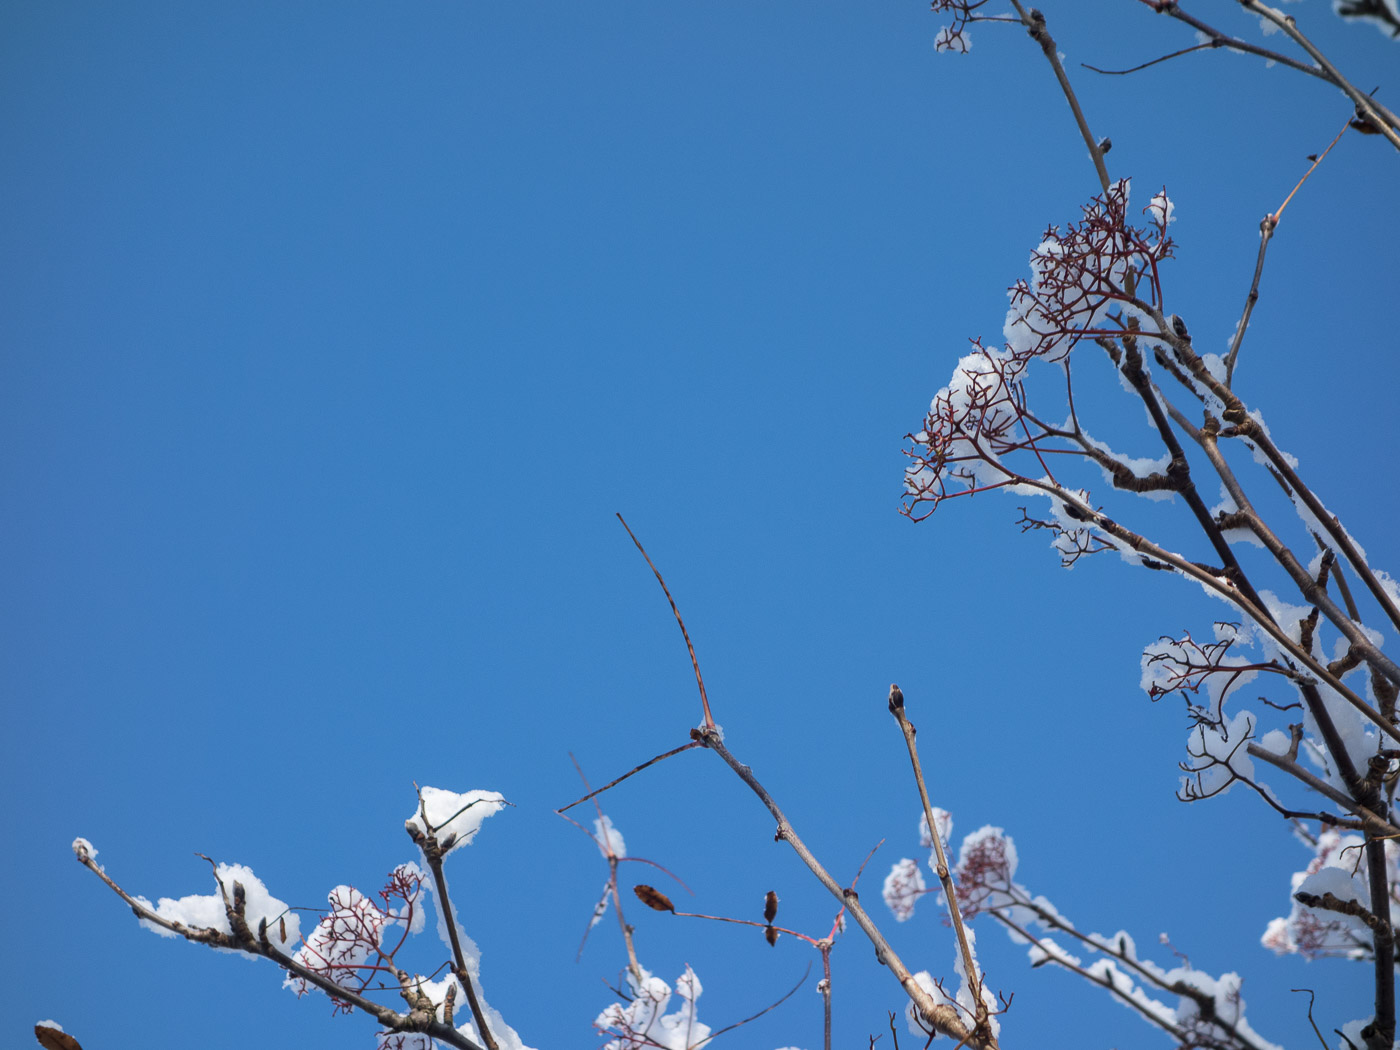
(333, 335)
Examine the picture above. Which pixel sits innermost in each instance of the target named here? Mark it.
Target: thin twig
(1234, 43)
(1034, 22)
(945, 875)
(699, 681)
(613, 783)
(746, 922)
(1267, 226)
(825, 987)
(771, 1006)
(1266, 234)
(1316, 161)
(1311, 999)
(1143, 65)
(1374, 824)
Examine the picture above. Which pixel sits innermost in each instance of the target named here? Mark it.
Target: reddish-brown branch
(699, 681)
(631, 772)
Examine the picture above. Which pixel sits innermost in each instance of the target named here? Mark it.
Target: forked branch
(942, 1016)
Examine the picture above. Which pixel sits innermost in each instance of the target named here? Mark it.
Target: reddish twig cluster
(1097, 280)
(347, 947)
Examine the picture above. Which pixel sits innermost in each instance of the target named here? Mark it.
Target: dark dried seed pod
(654, 899)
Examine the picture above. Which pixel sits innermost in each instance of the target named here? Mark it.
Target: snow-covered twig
(240, 937)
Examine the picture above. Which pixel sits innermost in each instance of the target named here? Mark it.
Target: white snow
(1336, 867)
(948, 40)
(206, 911)
(1218, 753)
(608, 837)
(347, 939)
(644, 1021)
(451, 813)
(1161, 209)
(904, 885)
(944, 820)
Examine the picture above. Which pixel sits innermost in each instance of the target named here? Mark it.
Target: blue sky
(333, 336)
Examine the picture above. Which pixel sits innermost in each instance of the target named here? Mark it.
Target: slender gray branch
(1266, 233)
(945, 875)
(1034, 22)
(1374, 824)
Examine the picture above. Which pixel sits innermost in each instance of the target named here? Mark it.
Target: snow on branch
(352, 953)
(1208, 1011)
(954, 36)
(1331, 912)
(1089, 279)
(213, 913)
(1087, 283)
(644, 1021)
(348, 946)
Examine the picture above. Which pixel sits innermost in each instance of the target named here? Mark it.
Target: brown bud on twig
(896, 698)
(770, 906)
(654, 899)
(770, 934)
